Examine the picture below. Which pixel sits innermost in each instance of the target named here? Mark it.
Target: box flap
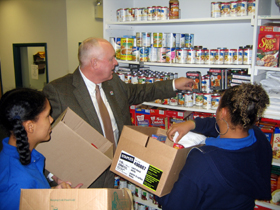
(72, 158)
(85, 130)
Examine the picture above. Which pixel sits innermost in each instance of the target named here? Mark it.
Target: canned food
(189, 99)
(116, 43)
(156, 12)
(166, 101)
(141, 79)
(207, 100)
(241, 8)
(144, 54)
(189, 40)
(135, 54)
(181, 55)
(121, 13)
(210, 55)
(152, 54)
(161, 55)
(251, 8)
(239, 57)
(128, 14)
(234, 56)
(164, 13)
(215, 9)
(131, 187)
(117, 182)
(134, 78)
(191, 56)
(173, 101)
(199, 99)
(200, 56)
(205, 83)
(219, 58)
(138, 192)
(127, 78)
(173, 9)
(150, 12)
(126, 49)
(215, 99)
(181, 98)
(144, 14)
(163, 39)
(233, 8)
(123, 183)
(226, 56)
(225, 9)
(170, 55)
(149, 79)
(247, 58)
(146, 39)
(139, 37)
(157, 39)
(170, 39)
(121, 76)
(137, 14)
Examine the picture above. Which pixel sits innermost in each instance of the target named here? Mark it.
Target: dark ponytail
(17, 106)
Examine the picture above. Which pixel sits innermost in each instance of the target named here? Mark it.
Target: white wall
(62, 24)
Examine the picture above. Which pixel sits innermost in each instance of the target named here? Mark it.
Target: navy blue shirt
(223, 174)
(14, 176)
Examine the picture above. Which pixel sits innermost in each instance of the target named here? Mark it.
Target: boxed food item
(177, 116)
(147, 162)
(69, 199)
(158, 117)
(132, 114)
(76, 152)
(268, 46)
(142, 114)
(196, 77)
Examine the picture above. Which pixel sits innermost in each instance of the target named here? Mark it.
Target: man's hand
(184, 83)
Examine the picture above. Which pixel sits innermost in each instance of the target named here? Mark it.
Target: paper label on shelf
(138, 170)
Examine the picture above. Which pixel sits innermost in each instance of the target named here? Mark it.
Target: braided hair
(17, 106)
(246, 102)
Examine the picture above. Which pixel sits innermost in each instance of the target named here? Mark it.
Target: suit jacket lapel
(82, 95)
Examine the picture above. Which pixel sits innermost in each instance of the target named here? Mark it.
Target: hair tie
(16, 117)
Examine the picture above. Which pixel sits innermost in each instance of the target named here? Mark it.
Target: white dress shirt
(91, 89)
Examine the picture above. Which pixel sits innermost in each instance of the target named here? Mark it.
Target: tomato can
(233, 8)
(191, 55)
(126, 49)
(215, 99)
(215, 9)
(188, 99)
(161, 55)
(207, 100)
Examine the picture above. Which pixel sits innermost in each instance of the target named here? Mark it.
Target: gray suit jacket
(71, 91)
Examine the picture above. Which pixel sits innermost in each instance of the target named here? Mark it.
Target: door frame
(17, 60)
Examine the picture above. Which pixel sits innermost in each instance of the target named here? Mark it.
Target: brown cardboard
(70, 154)
(78, 199)
(138, 151)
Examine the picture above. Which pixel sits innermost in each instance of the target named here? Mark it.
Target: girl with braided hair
(233, 168)
(25, 115)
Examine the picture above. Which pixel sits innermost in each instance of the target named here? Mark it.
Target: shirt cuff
(173, 85)
(50, 175)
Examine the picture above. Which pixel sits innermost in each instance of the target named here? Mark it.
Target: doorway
(31, 65)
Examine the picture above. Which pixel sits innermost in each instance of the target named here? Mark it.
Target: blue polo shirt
(14, 176)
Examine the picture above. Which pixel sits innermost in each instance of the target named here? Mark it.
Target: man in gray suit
(77, 91)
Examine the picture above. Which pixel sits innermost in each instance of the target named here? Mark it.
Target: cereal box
(268, 46)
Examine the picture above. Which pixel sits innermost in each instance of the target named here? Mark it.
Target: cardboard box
(78, 199)
(72, 153)
(152, 165)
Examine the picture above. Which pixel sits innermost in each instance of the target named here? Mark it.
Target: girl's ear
(29, 126)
